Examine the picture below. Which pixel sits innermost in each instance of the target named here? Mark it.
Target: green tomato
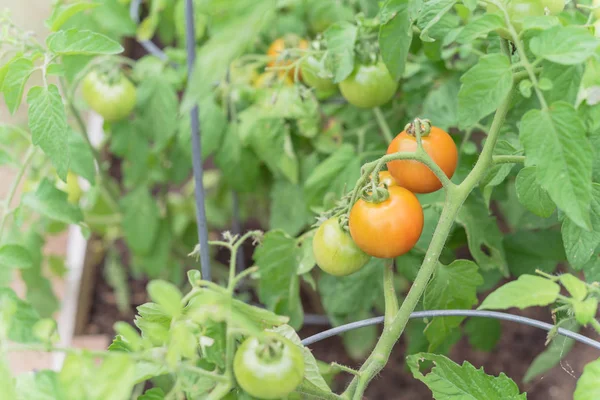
(270, 367)
(313, 73)
(335, 251)
(113, 99)
(369, 86)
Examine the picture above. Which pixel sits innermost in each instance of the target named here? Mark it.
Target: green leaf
(353, 294)
(65, 12)
(167, 296)
(450, 381)
(82, 158)
(580, 244)
(576, 287)
(40, 385)
(82, 42)
(48, 125)
(340, 38)
(158, 107)
(484, 87)
(141, 220)
(527, 251)
(307, 262)
(277, 258)
(240, 167)
(555, 142)
(432, 13)
(440, 104)
(452, 287)
(7, 382)
(17, 73)
(479, 27)
(272, 142)
(288, 209)
(14, 256)
(566, 80)
(587, 385)
(592, 268)
(551, 356)
(52, 203)
(483, 333)
(531, 194)
(153, 394)
(112, 380)
(21, 318)
(527, 291)
(483, 235)
(395, 36)
(565, 44)
(320, 180)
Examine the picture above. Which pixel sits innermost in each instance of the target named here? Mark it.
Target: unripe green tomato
(334, 250)
(113, 100)
(270, 367)
(312, 75)
(369, 86)
(585, 310)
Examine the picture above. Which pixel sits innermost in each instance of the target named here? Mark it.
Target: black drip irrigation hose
(309, 319)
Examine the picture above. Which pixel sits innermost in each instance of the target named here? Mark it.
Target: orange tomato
(271, 78)
(281, 44)
(390, 228)
(385, 178)
(415, 176)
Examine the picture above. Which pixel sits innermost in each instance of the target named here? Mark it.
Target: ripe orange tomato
(281, 44)
(390, 228)
(415, 176)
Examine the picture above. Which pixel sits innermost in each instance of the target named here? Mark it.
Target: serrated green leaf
(15, 256)
(479, 27)
(17, 73)
(395, 36)
(527, 251)
(566, 80)
(431, 13)
(576, 287)
(527, 291)
(453, 286)
(288, 209)
(81, 42)
(272, 142)
(240, 166)
(22, 320)
(482, 233)
(52, 203)
(277, 258)
(532, 195)
(82, 159)
(63, 13)
(48, 125)
(551, 356)
(158, 107)
(40, 385)
(580, 244)
(565, 44)
(320, 180)
(166, 295)
(587, 385)
(440, 104)
(340, 38)
(450, 381)
(484, 87)
(555, 142)
(141, 220)
(483, 333)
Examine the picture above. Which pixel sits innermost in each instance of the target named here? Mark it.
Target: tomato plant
(223, 166)
(268, 368)
(415, 176)
(334, 250)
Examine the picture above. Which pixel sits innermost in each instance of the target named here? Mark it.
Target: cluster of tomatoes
(369, 85)
(390, 225)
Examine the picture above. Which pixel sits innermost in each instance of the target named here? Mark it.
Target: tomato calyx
(418, 128)
(270, 350)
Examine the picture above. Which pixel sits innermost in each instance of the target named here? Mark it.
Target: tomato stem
(389, 292)
(383, 125)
